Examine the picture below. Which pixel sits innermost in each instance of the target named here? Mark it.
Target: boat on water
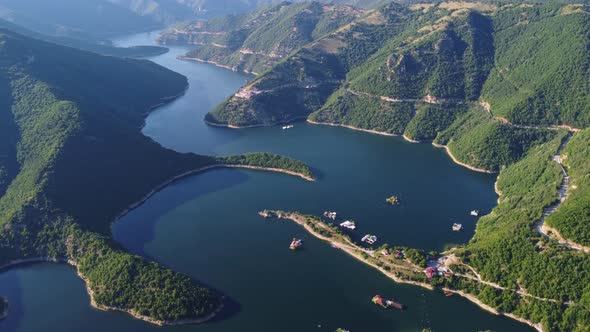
(457, 227)
(296, 243)
(448, 293)
(475, 213)
(348, 224)
(380, 301)
(370, 239)
(288, 127)
(330, 215)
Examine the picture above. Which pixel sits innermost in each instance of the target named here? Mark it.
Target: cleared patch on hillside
(455, 5)
(424, 7)
(329, 45)
(573, 9)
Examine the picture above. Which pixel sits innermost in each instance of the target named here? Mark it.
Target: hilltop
(256, 41)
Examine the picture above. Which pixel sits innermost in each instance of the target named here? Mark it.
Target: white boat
(288, 127)
(348, 224)
(370, 239)
(331, 215)
(475, 213)
(457, 227)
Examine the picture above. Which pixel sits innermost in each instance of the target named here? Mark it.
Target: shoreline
(491, 310)
(230, 126)
(103, 307)
(376, 132)
(203, 169)
(456, 161)
(72, 263)
(136, 315)
(216, 64)
(453, 158)
(350, 251)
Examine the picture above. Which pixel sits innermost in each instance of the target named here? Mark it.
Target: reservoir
(206, 226)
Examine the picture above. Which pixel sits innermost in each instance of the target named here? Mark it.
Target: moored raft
(295, 244)
(380, 301)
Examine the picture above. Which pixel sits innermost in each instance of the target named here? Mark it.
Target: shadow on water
(11, 289)
(135, 238)
(230, 309)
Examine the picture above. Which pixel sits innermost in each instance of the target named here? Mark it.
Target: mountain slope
(84, 19)
(500, 87)
(72, 158)
(104, 49)
(68, 118)
(256, 41)
(432, 55)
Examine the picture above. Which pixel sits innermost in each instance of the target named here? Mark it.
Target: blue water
(207, 227)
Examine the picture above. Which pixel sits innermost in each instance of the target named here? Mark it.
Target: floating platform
(348, 224)
(295, 244)
(370, 239)
(380, 301)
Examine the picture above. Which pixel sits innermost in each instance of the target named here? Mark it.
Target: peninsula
(492, 85)
(93, 151)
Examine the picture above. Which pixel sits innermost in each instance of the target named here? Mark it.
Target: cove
(207, 227)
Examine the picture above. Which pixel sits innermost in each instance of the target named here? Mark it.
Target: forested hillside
(88, 19)
(416, 70)
(72, 158)
(502, 87)
(82, 44)
(573, 218)
(70, 142)
(256, 41)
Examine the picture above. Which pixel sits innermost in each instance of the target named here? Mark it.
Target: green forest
(500, 86)
(255, 41)
(572, 219)
(69, 142)
(270, 160)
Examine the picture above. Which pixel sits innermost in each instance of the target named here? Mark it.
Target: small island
(3, 308)
(393, 200)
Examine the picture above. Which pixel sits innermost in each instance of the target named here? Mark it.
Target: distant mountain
(256, 41)
(75, 18)
(100, 19)
(101, 48)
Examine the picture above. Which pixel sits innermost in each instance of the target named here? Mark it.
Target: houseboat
(330, 215)
(370, 239)
(296, 243)
(380, 301)
(348, 224)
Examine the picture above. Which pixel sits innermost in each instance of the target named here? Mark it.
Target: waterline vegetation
(67, 145)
